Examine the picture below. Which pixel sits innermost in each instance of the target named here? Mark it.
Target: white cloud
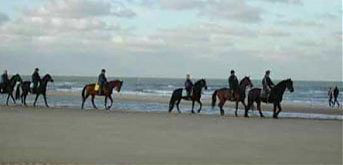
(80, 9)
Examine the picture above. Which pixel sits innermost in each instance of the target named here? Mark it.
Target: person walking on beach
(35, 80)
(4, 81)
(233, 83)
(267, 84)
(335, 96)
(330, 95)
(102, 80)
(188, 85)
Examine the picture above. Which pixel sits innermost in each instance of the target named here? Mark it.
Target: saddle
(265, 95)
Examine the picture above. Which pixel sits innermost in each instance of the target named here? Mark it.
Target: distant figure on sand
(4, 81)
(188, 86)
(330, 95)
(233, 84)
(35, 80)
(102, 80)
(335, 96)
(267, 85)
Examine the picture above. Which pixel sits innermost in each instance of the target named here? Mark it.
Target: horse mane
(198, 82)
(240, 83)
(283, 82)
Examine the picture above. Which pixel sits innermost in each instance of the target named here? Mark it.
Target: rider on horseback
(35, 80)
(267, 85)
(102, 80)
(4, 81)
(233, 83)
(188, 85)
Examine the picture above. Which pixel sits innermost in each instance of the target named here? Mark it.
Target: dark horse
(275, 97)
(177, 96)
(41, 90)
(108, 89)
(10, 87)
(224, 94)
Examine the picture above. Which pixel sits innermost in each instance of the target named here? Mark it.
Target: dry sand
(71, 136)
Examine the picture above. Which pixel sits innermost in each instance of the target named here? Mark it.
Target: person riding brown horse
(233, 83)
(89, 90)
(225, 94)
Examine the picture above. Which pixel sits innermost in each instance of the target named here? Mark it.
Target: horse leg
(34, 103)
(178, 105)
(93, 96)
(280, 109)
(221, 104)
(109, 107)
(274, 111)
(84, 100)
(46, 103)
(193, 106)
(199, 110)
(8, 97)
(236, 108)
(13, 98)
(259, 109)
(247, 108)
(25, 100)
(106, 102)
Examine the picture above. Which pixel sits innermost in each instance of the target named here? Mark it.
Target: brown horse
(108, 89)
(225, 94)
(275, 97)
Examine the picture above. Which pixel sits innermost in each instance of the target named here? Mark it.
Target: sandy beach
(61, 135)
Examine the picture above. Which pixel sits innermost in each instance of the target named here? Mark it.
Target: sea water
(306, 92)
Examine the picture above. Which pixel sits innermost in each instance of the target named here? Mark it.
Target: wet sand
(60, 135)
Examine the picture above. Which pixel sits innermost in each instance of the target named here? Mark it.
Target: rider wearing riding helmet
(267, 84)
(233, 83)
(102, 80)
(4, 81)
(188, 85)
(35, 80)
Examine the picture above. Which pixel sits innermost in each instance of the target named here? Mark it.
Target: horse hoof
(246, 116)
(192, 112)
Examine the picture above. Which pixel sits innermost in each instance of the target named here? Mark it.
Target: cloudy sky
(301, 39)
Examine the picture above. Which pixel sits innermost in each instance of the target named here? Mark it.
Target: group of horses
(223, 94)
(23, 89)
(238, 96)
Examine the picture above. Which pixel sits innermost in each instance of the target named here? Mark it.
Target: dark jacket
(4, 78)
(188, 84)
(233, 82)
(35, 77)
(102, 79)
(267, 82)
(335, 92)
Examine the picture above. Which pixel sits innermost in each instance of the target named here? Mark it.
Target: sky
(298, 39)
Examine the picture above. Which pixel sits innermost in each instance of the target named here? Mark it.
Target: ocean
(306, 92)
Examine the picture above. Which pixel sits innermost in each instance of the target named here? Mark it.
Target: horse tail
(17, 92)
(173, 98)
(83, 92)
(214, 98)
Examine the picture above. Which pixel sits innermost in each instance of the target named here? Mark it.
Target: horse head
(16, 78)
(246, 82)
(289, 85)
(116, 84)
(201, 83)
(47, 78)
